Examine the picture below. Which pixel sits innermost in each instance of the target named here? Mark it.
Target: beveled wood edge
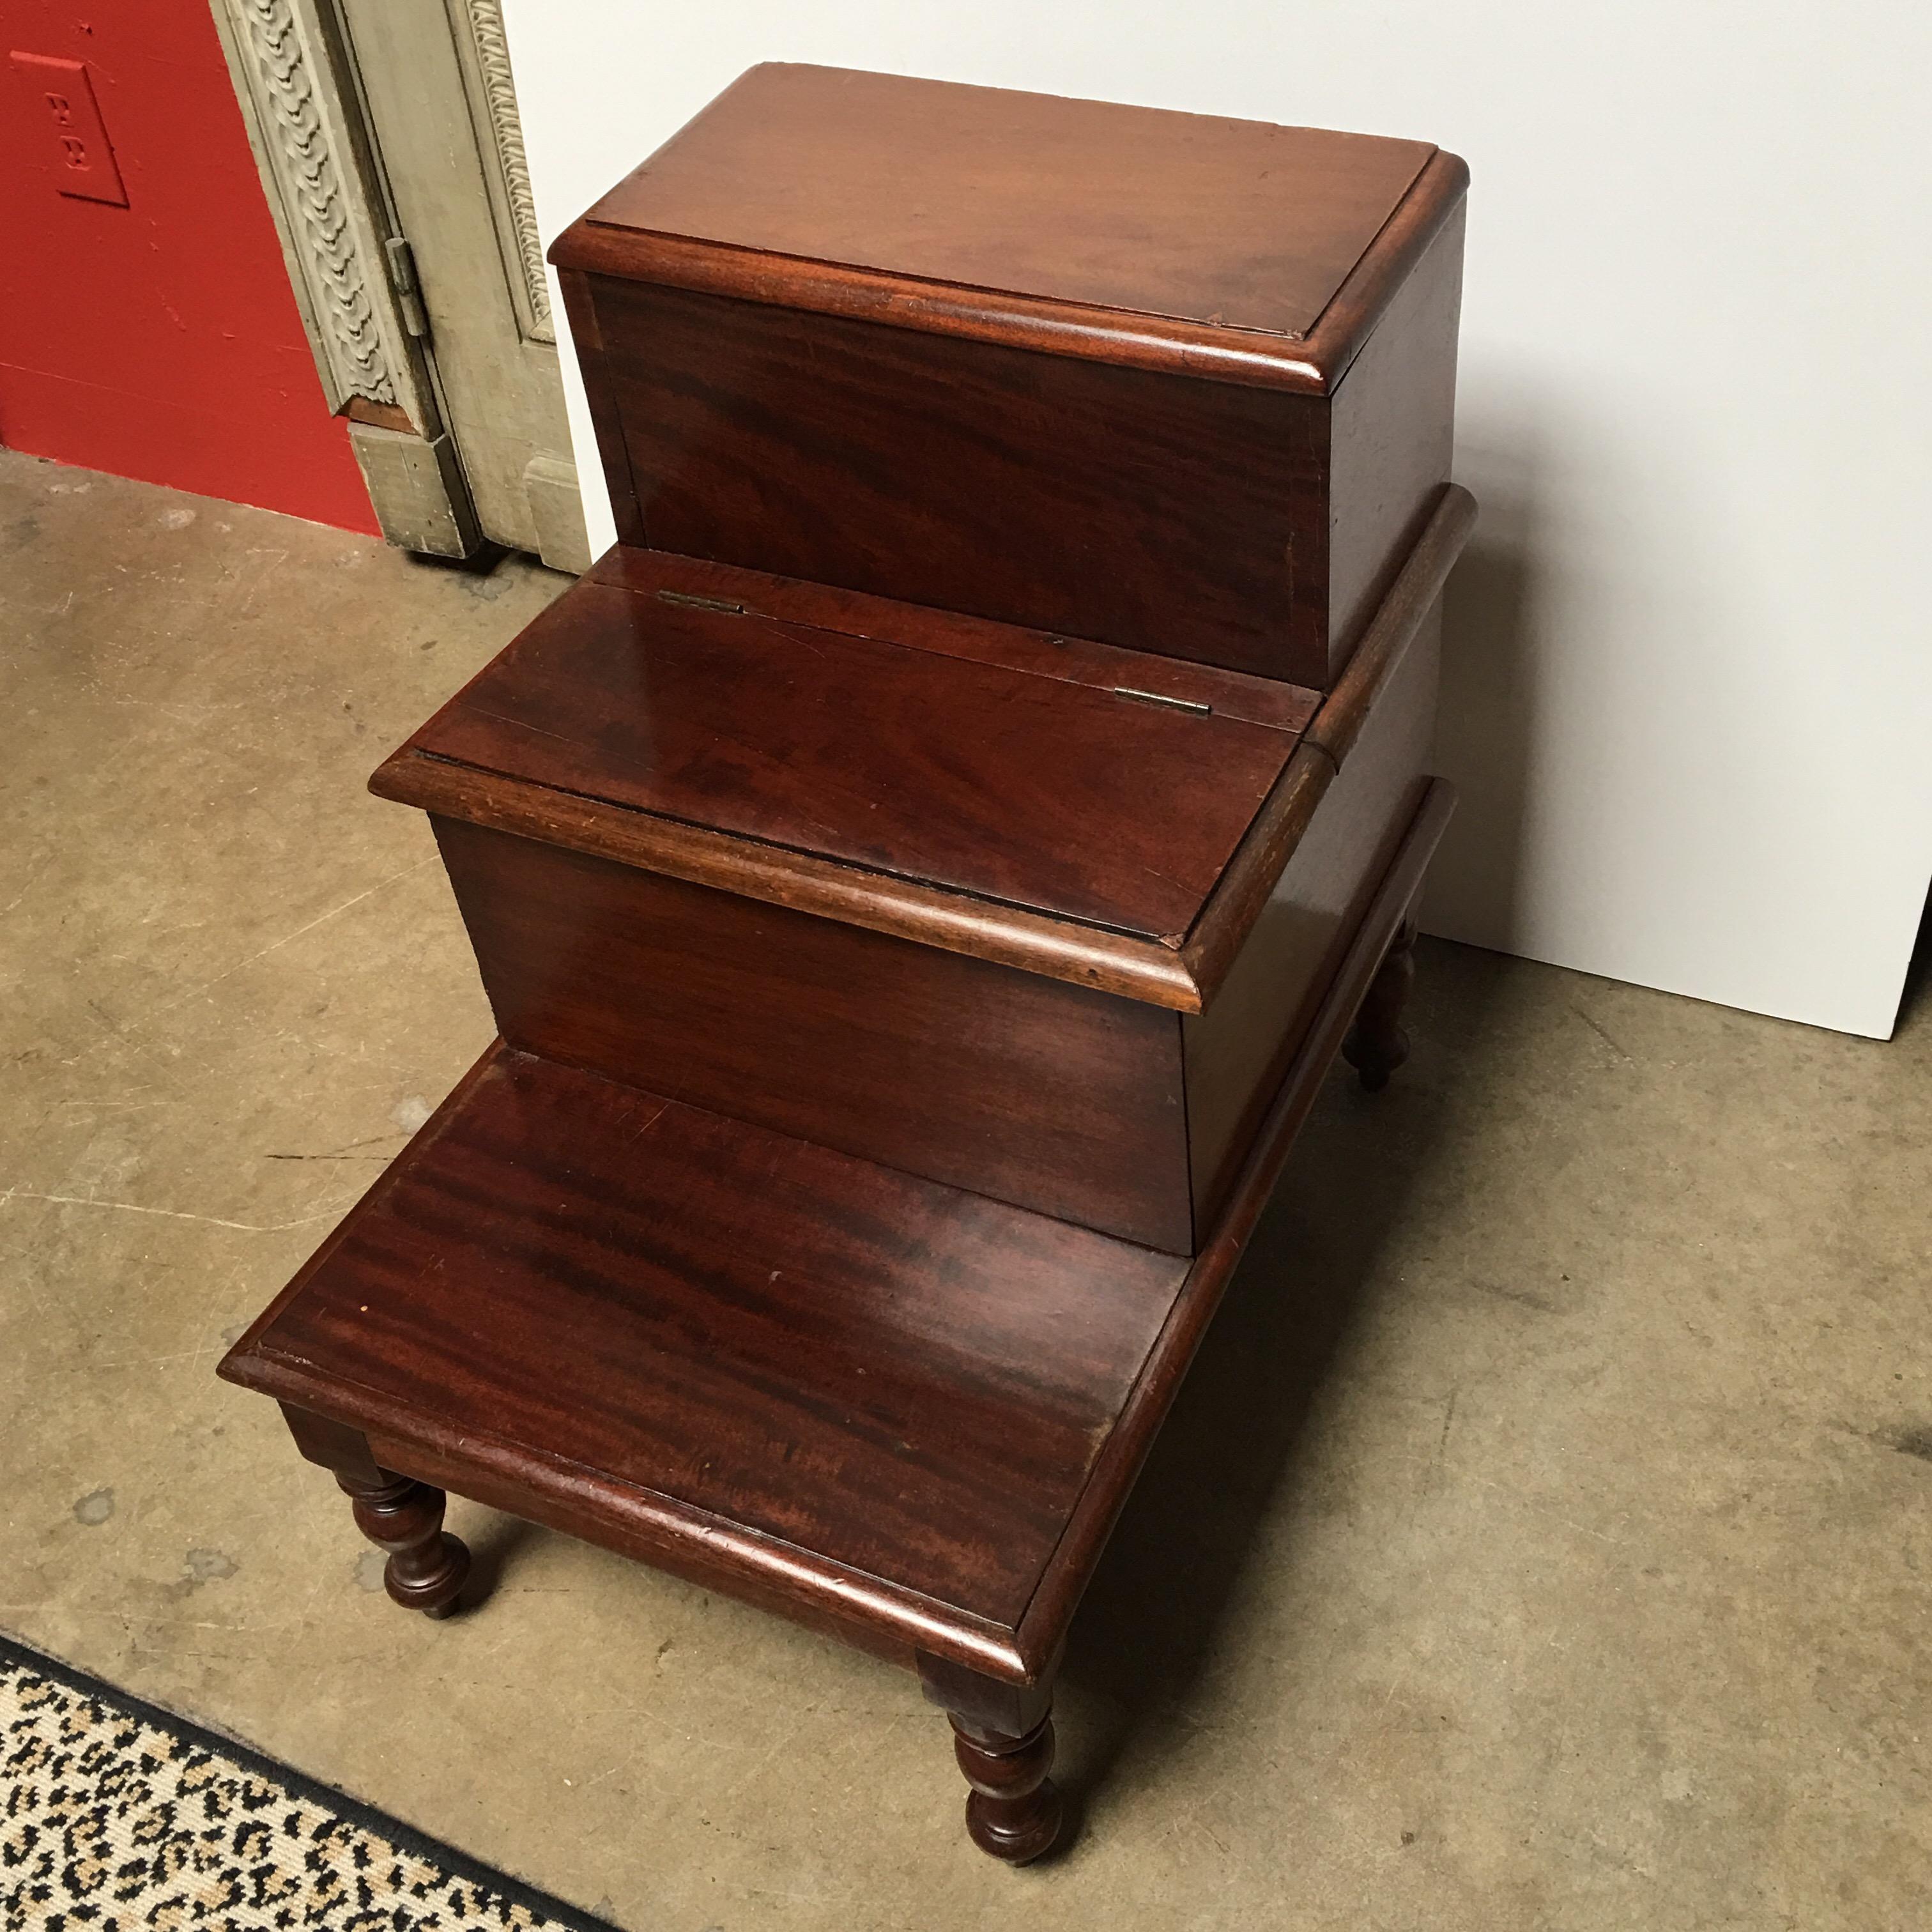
(1338, 722)
(613, 450)
(1095, 956)
(1306, 365)
(1342, 329)
(692, 1542)
(1043, 1624)
(250, 1337)
(1228, 913)
(1231, 908)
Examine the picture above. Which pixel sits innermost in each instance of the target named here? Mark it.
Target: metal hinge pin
(1161, 698)
(402, 261)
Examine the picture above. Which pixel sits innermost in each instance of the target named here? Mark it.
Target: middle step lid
(1071, 779)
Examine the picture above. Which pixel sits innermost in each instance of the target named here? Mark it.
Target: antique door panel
(435, 77)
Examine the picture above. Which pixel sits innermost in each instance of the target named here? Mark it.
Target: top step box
(1176, 383)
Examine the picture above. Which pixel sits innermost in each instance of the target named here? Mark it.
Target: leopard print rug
(115, 1815)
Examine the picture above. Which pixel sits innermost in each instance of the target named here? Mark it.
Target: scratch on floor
(175, 1214)
(33, 879)
(787, 1735)
(289, 939)
(345, 1152)
(147, 1361)
(1603, 1036)
(276, 558)
(129, 1104)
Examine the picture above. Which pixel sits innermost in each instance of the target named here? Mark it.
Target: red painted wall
(160, 340)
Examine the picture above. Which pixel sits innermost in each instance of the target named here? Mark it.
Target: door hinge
(409, 291)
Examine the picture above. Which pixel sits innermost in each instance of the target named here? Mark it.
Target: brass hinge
(1161, 698)
(409, 291)
(695, 603)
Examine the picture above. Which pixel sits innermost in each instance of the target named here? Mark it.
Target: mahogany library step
(923, 874)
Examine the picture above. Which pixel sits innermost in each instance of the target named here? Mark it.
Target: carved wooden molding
(302, 131)
(313, 179)
(501, 137)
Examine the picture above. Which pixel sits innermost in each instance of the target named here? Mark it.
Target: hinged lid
(1069, 779)
(1081, 227)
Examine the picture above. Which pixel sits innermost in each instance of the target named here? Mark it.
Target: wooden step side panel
(1237, 1051)
(1052, 1097)
(1392, 423)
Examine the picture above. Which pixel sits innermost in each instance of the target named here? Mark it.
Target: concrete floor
(1542, 1541)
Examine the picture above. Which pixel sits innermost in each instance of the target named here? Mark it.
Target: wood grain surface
(1057, 1097)
(1042, 792)
(1238, 1049)
(1023, 219)
(1076, 660)
(1080, 955)
(1163, 513)
(908, 1381)
(660, 1329)
(1043, 1628)
(1079, 201)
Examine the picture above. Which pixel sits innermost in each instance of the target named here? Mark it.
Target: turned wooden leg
(1376, 1044)
(1002, 1738)
(427, 1565)
(1013, 1811)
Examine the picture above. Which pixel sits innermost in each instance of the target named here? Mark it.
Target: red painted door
(156, 339)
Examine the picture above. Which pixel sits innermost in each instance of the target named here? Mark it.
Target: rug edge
(407, 1837)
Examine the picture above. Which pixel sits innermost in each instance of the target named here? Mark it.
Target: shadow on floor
(1148, 1624)
(1916, 1001)
(493, 1553)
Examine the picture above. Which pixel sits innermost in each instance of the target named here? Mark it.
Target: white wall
(1690, 706)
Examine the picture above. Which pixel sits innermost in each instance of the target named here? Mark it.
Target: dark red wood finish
(1055, 654)
(1086, 203)
(1245, 528)
(895, 1410)
(1328, 200)
(1377, 1044)
(921, 896)
(1058, 1097)
(1147, 969)
(1237, 1050)
(1034, 1091)
(974, 477)
(404, 1518)
(1085, 398)
(906, 1381)
(1015, 1812)
(1391, 426)
(1008, 784)
(1174, 831)
(1044, 1627)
